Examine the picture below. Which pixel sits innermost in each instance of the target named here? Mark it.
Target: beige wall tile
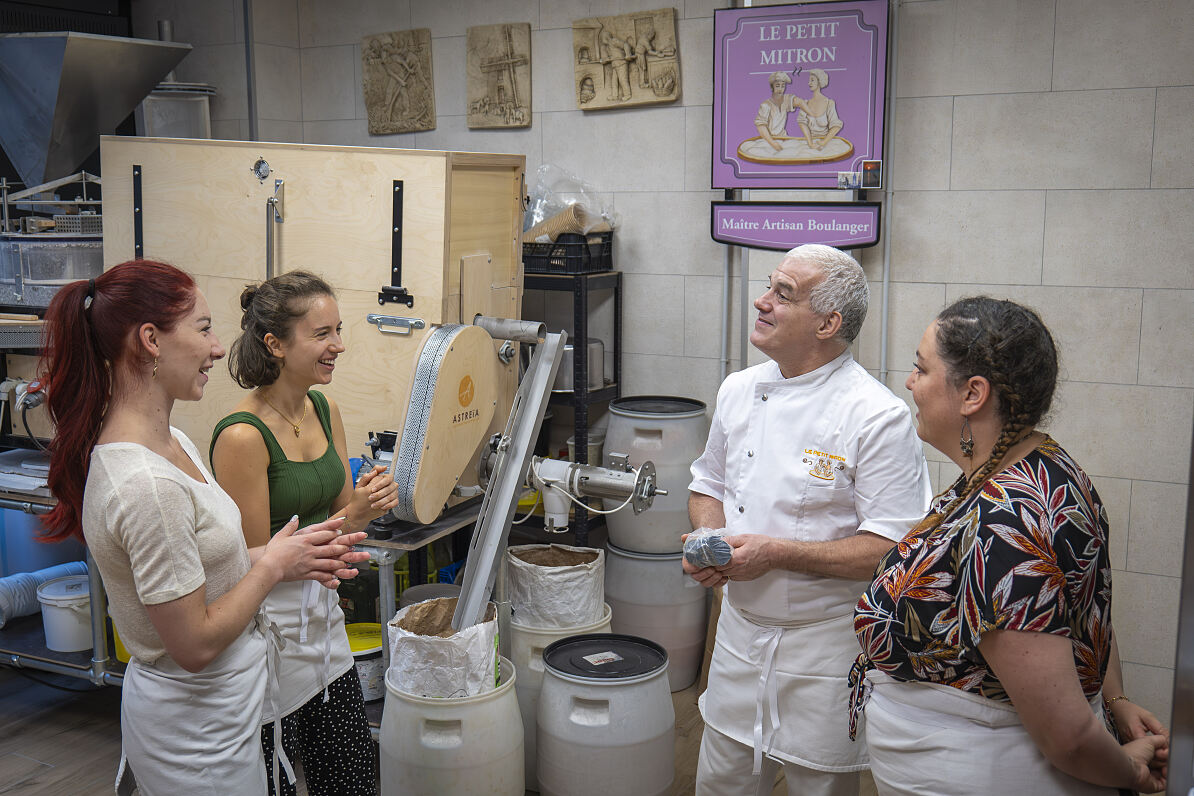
(1097, 330)
(698, 149)
(447, 72)
(350, 132)
(653, 314)
(1172, 165)
(551, 79)
(1157, 533)
(329, 82)
(912, 307)
(967, 236)
(703, 314)
(1166, 342)
(673, 243)
(1117, 499)
(454, 18)
(223, 66)
(230, 129)
(1119, 238)
(279, 95)
(974, 47)
(348, 21)
(205, 24)
(696, 61)
(1109, 44)
(452, 133)
(629, 150)
(1144, 610)
(1141, 433)
(274, 22)
(920, 144)
(701, 8)
(1152, 687)
(1073, 139)
(688, 377)
(283, 130)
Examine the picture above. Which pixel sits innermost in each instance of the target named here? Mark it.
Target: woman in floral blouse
(986, 633)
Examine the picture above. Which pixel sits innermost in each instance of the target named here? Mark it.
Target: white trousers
(724, 769)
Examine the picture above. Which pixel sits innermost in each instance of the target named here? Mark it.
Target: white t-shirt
(156, 535)
(814, 458)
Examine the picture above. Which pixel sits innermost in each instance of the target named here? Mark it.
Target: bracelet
(1107, 702)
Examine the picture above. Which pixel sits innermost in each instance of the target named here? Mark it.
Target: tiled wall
(1041, 151)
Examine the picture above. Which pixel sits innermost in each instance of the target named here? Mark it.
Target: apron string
(274, 644)
(767, 641)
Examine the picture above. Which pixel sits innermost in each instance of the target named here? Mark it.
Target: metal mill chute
(61, 91)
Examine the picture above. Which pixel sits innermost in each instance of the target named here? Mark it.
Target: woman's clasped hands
(318, 552)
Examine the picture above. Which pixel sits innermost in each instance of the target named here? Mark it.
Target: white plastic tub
(652, 597)
(465, 746)
(526, 650)
(66, 613)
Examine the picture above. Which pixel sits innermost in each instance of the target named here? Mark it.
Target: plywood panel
(205, 211)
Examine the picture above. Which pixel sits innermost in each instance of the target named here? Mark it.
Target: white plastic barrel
(671, 433)
(652, 597)
(465, 746)
(66, 613)
(526, 650)
(606, 721)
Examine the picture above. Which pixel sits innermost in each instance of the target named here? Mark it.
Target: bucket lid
(605, 656)
(364, 637)
(655, 405)
(70, 590)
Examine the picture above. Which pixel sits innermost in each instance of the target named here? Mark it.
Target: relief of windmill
(499, 76)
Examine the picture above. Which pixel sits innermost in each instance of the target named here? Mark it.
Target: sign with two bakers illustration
(798, 93)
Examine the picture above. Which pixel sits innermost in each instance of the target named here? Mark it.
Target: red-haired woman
(184, 591)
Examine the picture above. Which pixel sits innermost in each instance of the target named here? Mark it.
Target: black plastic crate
(570, 254)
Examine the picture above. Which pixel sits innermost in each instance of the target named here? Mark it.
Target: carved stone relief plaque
(499, 75)
(396, 71)
(626, 60)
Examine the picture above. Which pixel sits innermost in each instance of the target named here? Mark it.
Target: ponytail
(89, 331)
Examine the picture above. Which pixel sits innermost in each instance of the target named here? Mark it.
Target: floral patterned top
(1026, 552)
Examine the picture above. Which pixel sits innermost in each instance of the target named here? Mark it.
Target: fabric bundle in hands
(707, 547)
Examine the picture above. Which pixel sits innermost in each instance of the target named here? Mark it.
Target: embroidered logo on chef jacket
(823, 464)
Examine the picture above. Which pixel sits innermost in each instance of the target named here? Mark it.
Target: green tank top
(303, 488)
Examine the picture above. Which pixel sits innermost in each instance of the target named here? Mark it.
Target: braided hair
(1009, 346)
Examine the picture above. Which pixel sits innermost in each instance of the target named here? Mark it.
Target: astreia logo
(465, 393)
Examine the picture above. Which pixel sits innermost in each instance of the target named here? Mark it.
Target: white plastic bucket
(465, 746)
(606, 721)
(652, 597)
(66, 613)
(364, 639)
(555, 585)
(526, 650)
(669, 432)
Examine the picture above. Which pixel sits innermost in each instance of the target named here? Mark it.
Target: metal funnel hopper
(59, 92)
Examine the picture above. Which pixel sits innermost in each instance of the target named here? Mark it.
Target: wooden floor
(67, 743)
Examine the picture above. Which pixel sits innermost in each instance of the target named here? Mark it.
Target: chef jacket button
(741, 509)
(764, 396)
(750, 453)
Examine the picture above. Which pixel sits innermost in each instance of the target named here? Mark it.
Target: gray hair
(843, 290)
(774, 76)
(821, 75)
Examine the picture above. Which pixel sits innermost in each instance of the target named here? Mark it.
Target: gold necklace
(294, 425)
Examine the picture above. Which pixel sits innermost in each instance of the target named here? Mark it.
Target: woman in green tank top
(283, 452)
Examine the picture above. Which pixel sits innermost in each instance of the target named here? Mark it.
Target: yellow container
(122, 654)
(364, 639)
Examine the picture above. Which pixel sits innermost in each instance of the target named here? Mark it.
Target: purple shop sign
(780, 226)
(798, 93)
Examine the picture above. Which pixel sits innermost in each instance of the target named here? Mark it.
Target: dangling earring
(967, 440)
(155, 368)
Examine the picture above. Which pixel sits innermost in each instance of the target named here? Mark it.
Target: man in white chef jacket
(814, 469)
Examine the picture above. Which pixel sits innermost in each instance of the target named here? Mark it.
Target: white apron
(781, 689)
(196, 733)
(933, 740)
(316, 649)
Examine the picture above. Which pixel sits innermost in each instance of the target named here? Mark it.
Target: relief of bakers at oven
(626, 60)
